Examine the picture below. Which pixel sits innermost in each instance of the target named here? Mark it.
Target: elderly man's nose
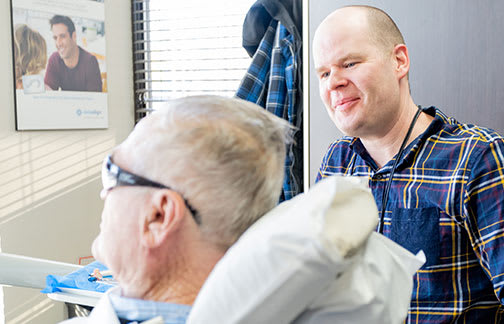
(103, 194)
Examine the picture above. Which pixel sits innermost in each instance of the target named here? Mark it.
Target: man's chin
(349, 127)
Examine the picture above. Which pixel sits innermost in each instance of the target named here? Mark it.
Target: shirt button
(378, 177)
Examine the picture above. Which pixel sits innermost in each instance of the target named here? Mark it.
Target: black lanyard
(398, 158)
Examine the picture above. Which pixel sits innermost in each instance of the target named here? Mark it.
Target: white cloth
(375, 289)
(313, 259)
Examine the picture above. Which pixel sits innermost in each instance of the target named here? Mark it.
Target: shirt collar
(409, 152)
(141, 310)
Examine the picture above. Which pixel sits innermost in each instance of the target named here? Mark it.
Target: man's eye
(324, 75)
(349, 65)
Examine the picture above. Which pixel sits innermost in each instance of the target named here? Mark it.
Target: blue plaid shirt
(447, 199)
(141, 310)
(271, 83)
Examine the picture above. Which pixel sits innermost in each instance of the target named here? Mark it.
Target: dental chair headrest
(306, 256)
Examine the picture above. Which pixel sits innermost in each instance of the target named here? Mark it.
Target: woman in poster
(30, 53)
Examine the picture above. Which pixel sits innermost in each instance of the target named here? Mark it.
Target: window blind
(188, 47)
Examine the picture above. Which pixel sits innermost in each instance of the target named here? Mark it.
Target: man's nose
(336, 80)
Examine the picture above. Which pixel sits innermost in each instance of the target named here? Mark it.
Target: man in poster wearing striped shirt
(438, 183)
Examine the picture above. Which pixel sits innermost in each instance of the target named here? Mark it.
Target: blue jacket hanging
(273, 79)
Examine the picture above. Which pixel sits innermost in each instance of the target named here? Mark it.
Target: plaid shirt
(271, 83)
(447, 199)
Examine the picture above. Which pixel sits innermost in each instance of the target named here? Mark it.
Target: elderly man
(70, 67)
(178, 192)
(439, 183)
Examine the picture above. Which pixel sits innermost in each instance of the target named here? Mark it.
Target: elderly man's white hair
(225, 156)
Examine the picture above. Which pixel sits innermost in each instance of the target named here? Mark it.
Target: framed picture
(60, 72)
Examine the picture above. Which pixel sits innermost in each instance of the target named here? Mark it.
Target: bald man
(438, 183)
(178, 192)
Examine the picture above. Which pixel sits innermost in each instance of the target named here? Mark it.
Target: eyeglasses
(113, 176)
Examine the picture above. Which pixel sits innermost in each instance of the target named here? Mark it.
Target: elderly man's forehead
(148, 127)
(138, 142)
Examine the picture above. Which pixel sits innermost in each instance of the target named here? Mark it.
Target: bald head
(381, 29)
(362, 66)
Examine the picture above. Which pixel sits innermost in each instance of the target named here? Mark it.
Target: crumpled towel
(78, 280)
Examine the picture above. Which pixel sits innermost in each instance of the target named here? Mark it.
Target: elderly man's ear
(165, 216)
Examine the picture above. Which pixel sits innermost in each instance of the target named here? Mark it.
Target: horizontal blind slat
(190, 70)
(146, 41)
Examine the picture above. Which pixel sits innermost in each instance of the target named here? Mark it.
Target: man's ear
(164, 217)
(74, 36)
(402, 62)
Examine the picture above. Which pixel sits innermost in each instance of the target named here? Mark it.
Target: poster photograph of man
(59, 64)
(70, 67)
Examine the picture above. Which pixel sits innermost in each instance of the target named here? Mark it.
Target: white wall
(49, 180)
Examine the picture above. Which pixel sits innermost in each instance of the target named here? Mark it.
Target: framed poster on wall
(60, 73)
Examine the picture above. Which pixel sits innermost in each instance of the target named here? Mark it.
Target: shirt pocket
(417, 229)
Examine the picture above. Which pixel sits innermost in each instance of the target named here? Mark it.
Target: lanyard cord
(389, 182)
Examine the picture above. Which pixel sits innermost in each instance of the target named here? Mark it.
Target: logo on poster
(88, 112)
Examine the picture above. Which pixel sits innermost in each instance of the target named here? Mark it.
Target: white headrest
(288, 260)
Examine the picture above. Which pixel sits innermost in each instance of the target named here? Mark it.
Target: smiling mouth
(345, 103)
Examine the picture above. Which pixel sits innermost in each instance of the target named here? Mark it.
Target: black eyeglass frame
(126, 178)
